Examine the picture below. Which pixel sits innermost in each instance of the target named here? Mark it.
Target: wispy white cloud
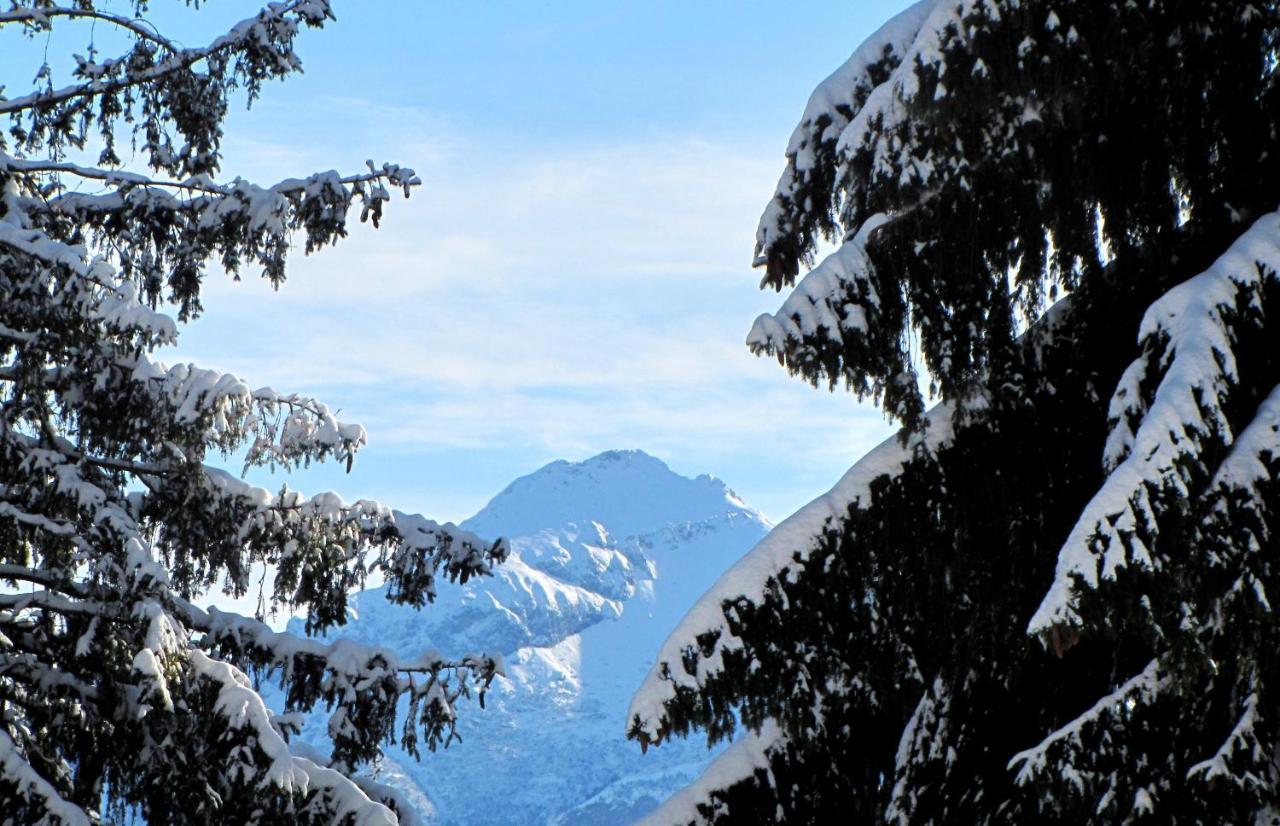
(546, 303)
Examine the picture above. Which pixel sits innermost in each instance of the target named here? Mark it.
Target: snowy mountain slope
(629, 491)
(608, 554)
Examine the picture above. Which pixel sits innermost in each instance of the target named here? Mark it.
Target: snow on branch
(288, 430)
(45, 804)
(870, 153)
(795, 537)
(1244, 748)
(197, 184)
(165, 232)
(831, 327)
(96, 294)
(1156, 453)
(244, 710)
(834, 301)
(919, 748)
(299, 536)
(396, 799)
(362, 683)
(273, 28)
(1237, 496)
(1062, 748)
(1246, 465)
(50, 600)
(802, 197)
(26, 667)
(745, 757)
(351, 662)
(859, 113)
(208, 202)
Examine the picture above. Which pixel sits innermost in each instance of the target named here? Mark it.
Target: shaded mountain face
(607, 556)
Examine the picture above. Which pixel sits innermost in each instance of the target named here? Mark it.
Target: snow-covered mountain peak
(624, 492)
(607, 554)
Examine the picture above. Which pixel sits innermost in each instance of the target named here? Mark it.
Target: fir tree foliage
(1049, 598)
(118, 694)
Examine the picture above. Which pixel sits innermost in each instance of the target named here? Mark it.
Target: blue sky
(574, 274)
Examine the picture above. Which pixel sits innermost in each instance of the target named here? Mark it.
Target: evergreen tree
(1049, 598)
(118, 696)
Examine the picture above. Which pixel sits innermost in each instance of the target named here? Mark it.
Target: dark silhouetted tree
(1049, 598)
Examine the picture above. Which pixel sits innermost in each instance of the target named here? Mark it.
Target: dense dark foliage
(1053, 605)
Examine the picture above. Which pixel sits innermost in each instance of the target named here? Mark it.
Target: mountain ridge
(607, 554)
(580, 480)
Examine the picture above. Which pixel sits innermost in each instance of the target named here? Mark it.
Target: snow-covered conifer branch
(1157, 455)
(320, 547)
(197, 185)
(1237, 500)
(166, 96)
(802, 203)
(693, 654)
(1244, 749)
(272, 28)
(37, 801)
(237, 224)
(831, 325)
(359, 682)
(245, 711)
(697, 802)
(1067, 746)
(921, 749)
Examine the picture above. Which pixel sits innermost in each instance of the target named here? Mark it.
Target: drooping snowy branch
(831, 324)
(697, 802)
(1068, 745)
(40, 802)
(1240, 501)
(693, 653)
(163, 234)
(802, 201)
(936, 113)
(1158, 453)
(833, 300)
(362, 684)
(244, 710)
(1244, 748)
(156, 87)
